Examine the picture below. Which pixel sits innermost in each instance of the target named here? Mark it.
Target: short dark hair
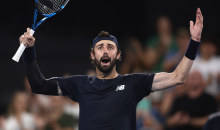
(103, 34)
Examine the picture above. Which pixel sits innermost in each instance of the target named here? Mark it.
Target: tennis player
(108, 100)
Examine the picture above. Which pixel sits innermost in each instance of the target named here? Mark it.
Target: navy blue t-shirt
(107, 104)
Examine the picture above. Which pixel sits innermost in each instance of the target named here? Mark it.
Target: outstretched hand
(196, 29)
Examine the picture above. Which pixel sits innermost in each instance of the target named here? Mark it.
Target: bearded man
(108, 100)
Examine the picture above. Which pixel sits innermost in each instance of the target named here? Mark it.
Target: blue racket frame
(46, 16)
(35, 25)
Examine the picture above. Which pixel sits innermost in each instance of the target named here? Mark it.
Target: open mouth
(105, 61)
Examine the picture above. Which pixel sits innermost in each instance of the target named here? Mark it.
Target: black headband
(111, 38)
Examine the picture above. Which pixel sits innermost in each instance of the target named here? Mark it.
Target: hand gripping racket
(47, 8)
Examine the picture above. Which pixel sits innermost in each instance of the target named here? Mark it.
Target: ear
(92, 55)
(119, 54)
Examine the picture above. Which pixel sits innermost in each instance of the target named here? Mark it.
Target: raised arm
(38, 83)
(165, 80)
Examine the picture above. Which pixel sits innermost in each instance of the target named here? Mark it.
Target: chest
(106, 94)
(107, 101)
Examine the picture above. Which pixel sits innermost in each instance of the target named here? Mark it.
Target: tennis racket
(47, 8)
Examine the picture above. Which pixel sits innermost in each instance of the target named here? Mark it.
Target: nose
(105, 50)
(105, 54)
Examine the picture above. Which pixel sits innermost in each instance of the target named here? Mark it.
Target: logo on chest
(120, 87)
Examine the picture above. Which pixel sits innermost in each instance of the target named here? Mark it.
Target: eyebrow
(103, 44)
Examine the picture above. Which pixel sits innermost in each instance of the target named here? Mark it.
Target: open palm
(196, 29)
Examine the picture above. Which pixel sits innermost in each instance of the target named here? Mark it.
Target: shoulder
(141, 77)
(137, 75)
(75, 80)
(74, 77)
(79, 76)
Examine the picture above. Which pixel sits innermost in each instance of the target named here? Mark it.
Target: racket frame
(35, 25)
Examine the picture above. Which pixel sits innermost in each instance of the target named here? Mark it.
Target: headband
(111, 38)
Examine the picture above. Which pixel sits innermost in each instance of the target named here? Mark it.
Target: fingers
(191, 23)
(27, 39)
(28, 31)
(199, 17)
(21, 38)
(26, 35)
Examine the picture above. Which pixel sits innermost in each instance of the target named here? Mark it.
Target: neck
(110, 75)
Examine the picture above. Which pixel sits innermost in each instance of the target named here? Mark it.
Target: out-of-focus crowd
(184, 107)
(28, 111)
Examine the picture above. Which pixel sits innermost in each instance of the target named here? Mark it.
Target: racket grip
(21, 49)
(19, 52)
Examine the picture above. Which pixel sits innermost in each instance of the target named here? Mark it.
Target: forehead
(105, 42)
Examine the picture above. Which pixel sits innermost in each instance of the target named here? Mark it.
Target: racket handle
(21, 49)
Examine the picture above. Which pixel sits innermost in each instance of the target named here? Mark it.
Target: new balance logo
(120, 87)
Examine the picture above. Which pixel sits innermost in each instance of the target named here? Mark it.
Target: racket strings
(49, 6)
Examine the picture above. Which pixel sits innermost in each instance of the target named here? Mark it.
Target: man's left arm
(165, 80)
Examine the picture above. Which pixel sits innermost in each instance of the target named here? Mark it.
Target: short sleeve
(143, 84)
(70, 86)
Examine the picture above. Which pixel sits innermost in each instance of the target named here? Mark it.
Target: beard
(105, 69)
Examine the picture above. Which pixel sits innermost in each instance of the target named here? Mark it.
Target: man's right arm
(37, 81)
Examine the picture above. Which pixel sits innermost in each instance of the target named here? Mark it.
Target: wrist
(197, 39)
(192, 49)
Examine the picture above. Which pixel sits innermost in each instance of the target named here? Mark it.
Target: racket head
(48, 8)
